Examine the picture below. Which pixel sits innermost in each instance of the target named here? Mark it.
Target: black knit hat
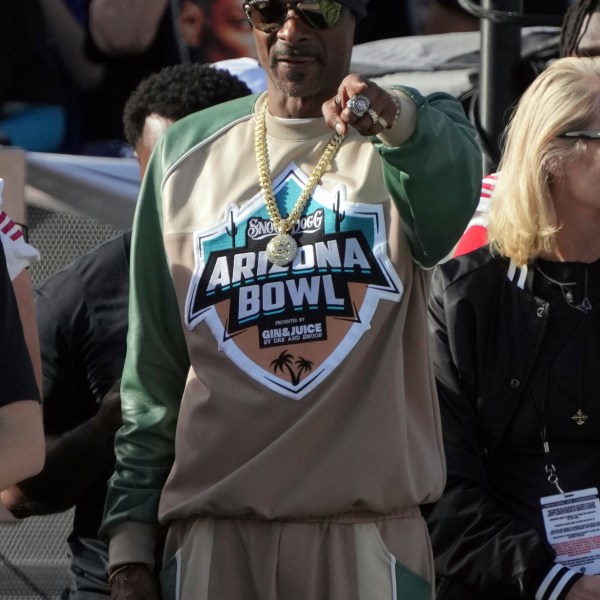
(358, 7)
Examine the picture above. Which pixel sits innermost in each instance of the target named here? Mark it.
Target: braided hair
(572, 28)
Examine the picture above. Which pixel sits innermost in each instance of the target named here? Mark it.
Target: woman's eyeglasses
(584, 134)
(270, 15)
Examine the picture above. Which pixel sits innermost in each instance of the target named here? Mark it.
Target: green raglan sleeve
(156, 367)
(435, 175)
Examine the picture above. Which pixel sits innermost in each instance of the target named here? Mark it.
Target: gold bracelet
(116, 571)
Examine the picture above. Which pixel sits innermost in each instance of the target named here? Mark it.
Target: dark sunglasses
(585, 134)
(270, 15)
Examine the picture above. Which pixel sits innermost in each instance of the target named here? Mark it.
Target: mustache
(293, 52)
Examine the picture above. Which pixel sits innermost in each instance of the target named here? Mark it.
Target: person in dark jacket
(82, 315)
(516, 328)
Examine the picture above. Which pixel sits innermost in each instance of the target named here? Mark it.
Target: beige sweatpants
(350, 557)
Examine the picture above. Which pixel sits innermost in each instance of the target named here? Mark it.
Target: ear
(191, 23)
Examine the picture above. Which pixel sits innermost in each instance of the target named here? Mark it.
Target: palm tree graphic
(285, 362)
(303, 365)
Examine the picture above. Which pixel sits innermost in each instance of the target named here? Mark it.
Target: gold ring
(373, 116)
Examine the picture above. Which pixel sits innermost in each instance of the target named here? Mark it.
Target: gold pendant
(282, 249)
(579, 417)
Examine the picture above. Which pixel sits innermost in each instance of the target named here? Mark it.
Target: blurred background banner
(102, 188)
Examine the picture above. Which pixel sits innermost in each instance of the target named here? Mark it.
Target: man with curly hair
(169, 95)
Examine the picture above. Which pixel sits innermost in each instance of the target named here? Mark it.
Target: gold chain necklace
(282, 249)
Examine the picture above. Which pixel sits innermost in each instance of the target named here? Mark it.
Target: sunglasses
(585, 134)
(270, 15)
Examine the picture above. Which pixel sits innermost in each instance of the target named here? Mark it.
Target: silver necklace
(585, 305)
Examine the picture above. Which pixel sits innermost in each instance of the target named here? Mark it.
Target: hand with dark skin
(134, 582)
(339, 117)
(73, 461)
(108, 418)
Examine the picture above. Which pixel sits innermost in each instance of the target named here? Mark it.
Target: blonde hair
(564, 97)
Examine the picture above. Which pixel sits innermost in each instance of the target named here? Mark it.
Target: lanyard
(549, 467)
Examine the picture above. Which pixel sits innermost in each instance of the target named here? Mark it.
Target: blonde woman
(517, 336)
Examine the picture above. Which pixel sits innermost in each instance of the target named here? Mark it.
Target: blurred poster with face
(215, 30)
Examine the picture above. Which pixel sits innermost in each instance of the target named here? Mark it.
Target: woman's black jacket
(487, 330)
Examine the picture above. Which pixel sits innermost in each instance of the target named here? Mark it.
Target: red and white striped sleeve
(19, 254)
(475, 234)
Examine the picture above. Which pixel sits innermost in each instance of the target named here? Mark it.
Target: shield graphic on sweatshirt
(289, 327)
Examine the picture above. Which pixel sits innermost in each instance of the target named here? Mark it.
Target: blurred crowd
(68, 66)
